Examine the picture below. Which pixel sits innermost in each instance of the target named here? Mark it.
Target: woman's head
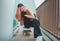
(20, 5)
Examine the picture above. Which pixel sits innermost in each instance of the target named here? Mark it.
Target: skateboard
(26, 31)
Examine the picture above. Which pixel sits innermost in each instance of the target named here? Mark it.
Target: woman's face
(23, 9)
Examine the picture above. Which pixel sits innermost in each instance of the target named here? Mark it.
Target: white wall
(6, 19)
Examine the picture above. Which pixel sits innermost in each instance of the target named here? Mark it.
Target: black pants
(37, 31)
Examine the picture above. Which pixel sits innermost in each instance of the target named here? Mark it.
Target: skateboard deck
(26, 31)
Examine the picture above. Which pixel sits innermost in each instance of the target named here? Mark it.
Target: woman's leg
(37, 31)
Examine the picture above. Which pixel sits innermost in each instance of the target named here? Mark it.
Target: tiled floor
(20, 37)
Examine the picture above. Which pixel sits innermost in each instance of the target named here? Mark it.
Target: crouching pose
(26, 17)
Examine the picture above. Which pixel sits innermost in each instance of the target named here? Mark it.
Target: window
(39, 2)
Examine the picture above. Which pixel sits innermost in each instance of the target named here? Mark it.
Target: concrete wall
(6, 19)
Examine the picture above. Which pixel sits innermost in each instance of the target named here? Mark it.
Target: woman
(25, 16)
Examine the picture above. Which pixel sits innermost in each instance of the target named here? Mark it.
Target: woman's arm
(30, 14)
(18, 16)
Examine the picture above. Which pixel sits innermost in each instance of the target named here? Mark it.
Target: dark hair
(20, 5)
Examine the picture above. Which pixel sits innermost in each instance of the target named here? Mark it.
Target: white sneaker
(39, 38)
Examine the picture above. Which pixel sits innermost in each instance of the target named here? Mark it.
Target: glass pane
(38, 2)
